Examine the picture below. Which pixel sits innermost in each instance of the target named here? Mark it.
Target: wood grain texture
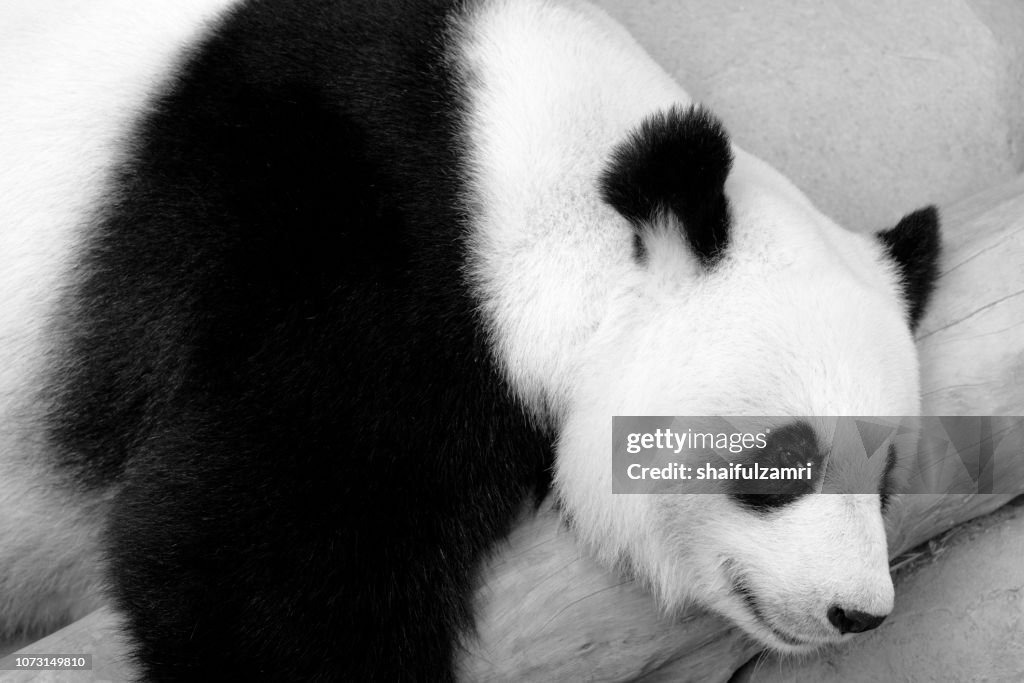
(96, 634)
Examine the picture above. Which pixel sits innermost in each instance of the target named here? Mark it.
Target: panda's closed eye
(793, 447)
(765, 502)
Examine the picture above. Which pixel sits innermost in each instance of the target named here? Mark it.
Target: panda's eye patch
(793, 447)
(764, 502)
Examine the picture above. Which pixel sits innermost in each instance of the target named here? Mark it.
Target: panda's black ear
(674, 164)
(915, 246)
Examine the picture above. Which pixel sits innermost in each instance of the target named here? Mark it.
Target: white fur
(801, 318)
(72, 77)
(554, 86)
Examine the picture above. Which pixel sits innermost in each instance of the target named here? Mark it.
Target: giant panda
(307, 302)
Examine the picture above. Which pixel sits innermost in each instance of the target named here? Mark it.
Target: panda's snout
(853, 621)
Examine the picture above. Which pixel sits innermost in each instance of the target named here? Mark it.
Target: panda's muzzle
(742, 590)
(846, 621)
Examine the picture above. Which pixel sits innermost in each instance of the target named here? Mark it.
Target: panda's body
(303, 298)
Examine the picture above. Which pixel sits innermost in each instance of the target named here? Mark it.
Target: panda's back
(242, 335)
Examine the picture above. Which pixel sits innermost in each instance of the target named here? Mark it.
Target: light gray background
(872, 107)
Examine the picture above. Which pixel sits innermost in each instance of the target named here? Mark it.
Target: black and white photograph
(489, 341)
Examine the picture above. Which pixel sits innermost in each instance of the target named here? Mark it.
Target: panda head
(743, 299)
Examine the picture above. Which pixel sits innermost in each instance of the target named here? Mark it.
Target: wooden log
(96, 635)
(549, 613)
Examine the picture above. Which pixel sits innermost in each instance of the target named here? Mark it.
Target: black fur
(915, 244)
(675, 164)
(793, 445)
(275, 361)
(888, 485)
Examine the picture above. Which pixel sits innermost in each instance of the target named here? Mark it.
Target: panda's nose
(852, 621)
